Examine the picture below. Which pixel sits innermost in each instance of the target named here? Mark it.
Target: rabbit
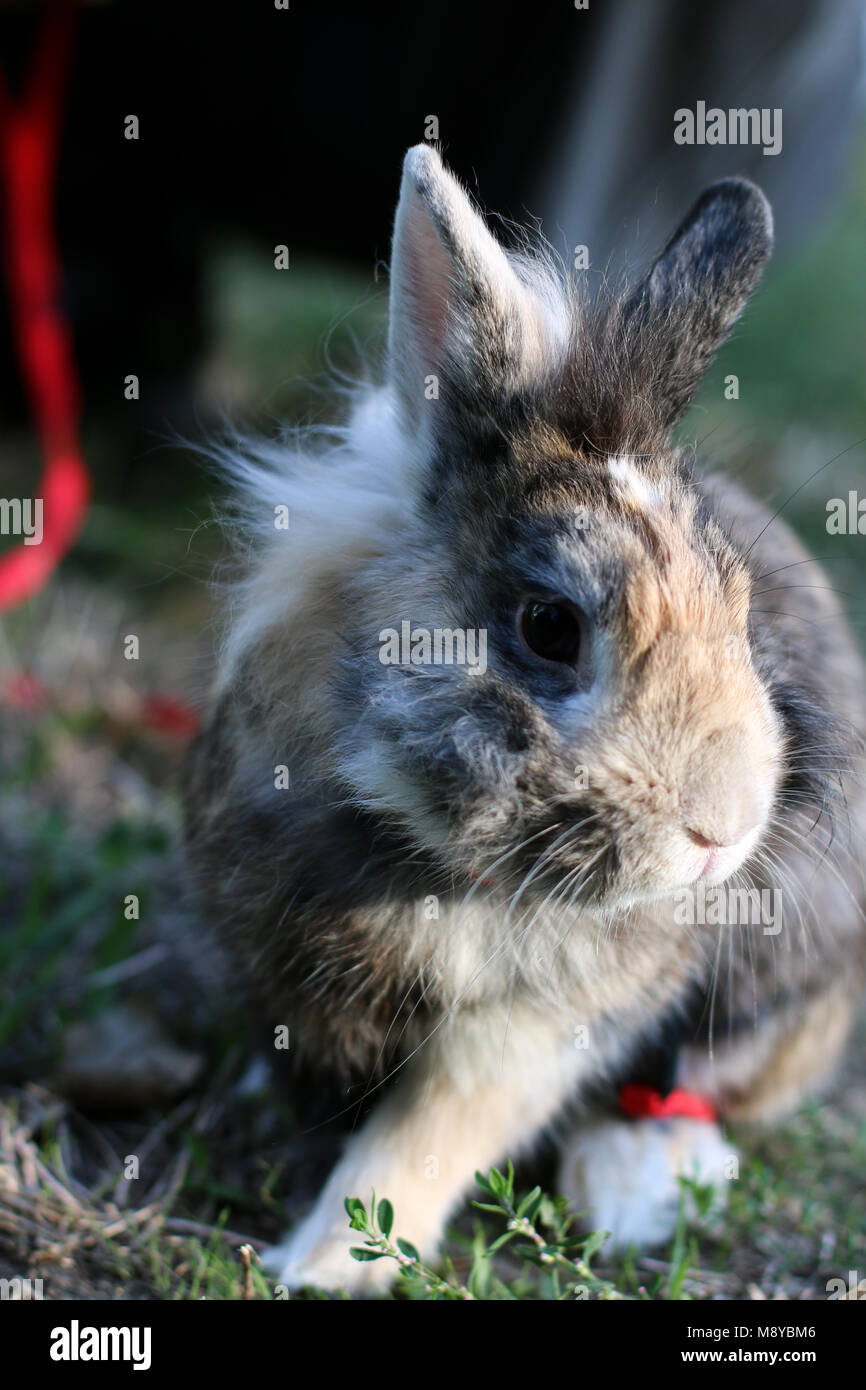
(457, 886)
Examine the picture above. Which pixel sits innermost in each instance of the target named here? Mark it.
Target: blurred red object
(169, 715)
(20, 689)
(641, 1102)
(29, 140)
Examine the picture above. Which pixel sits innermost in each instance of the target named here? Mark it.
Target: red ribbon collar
(641, 1102)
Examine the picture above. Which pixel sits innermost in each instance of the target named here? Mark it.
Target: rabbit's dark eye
(551, 631)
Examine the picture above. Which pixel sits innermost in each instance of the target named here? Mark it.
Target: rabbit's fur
(467, 891)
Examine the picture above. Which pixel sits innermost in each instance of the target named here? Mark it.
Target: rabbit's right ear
(678, 318)
(463, 325)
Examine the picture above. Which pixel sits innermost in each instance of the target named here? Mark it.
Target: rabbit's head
(600, 729)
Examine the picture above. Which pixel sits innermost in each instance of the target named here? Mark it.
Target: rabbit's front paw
(624, 1175)
(315, 1255)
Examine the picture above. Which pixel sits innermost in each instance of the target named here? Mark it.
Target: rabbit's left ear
(680, 315)
(461, 319)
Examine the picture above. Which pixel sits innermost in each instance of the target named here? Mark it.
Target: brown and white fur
(465, 899)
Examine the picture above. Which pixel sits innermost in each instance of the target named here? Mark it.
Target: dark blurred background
(261, 126)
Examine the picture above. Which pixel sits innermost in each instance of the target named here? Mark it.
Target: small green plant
(537, 1232)
(700, 1196)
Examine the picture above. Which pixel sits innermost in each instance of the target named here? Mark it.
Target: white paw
(316, 1256)
(624, 1174)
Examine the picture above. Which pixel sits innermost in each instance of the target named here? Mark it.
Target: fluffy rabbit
(469, 898)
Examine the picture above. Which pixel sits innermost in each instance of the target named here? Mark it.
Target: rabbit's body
(472, 887)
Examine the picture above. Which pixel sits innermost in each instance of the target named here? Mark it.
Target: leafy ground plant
(537, 1229)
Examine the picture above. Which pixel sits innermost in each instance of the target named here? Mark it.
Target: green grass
(772, 1242)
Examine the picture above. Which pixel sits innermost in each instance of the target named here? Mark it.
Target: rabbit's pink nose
(711, 851)
(704, 841)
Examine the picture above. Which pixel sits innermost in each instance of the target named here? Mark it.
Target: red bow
(645, 1102)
